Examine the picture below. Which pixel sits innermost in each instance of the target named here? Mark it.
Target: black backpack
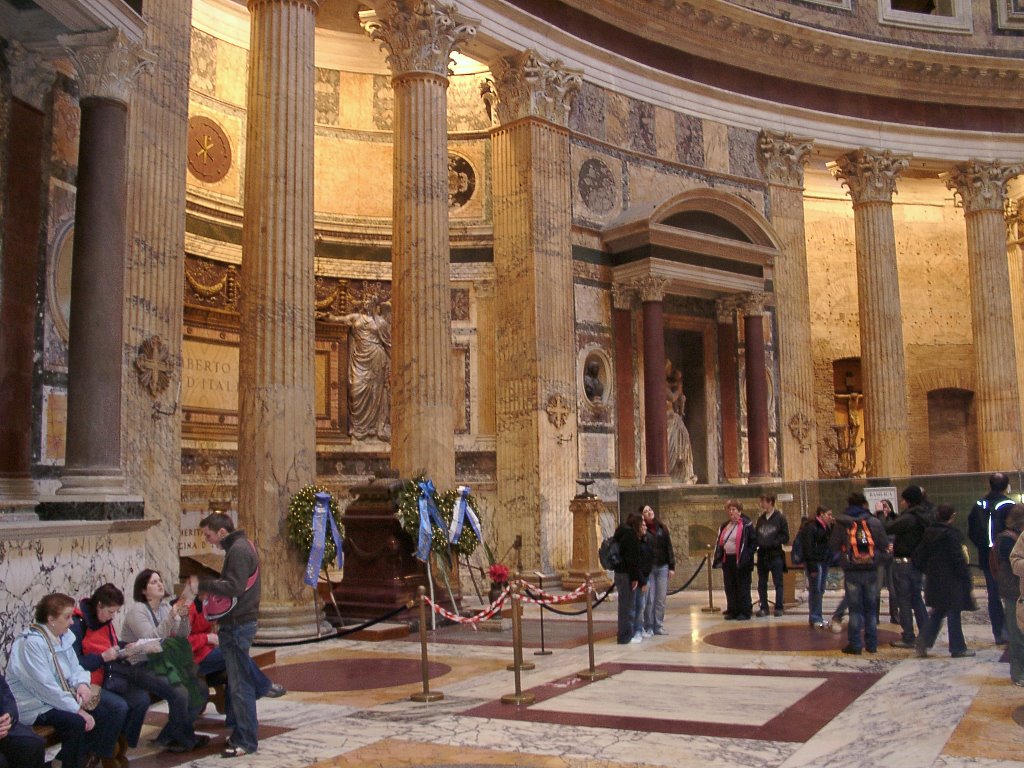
(609, 555)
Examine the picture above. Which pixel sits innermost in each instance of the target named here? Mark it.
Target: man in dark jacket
(239, 579)
(772, 532)
(947, 588)
(20, 747)
(907, 530)
(986, 521)
(860, 541)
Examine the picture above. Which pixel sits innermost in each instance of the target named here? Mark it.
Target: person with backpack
(860, 540)
(629, 582)
(987, 519)
(734, 554)
(1009, 588)
(907, 531)
(811, 547)
(941, 557)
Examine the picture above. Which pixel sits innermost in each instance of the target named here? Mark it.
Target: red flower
(498, 573)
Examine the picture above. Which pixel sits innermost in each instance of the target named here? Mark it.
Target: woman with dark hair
(154, 618)
(734, 554)
(814, 538)
(662, 570)
(629, 579)
(100, 653)
(51, 687)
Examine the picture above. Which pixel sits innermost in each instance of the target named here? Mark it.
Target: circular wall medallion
(461, 181)
(597, 186)
(209, 151)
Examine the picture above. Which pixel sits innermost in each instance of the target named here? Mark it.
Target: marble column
(728, 374)
(536, 351)
(625, 399)
(652, 295)
(107, 64)
(419, 37)
(31, 79)
(871, 179)
(981, 188)
(276, 381)
(1015, 243)
(757, 386)
(783, 157)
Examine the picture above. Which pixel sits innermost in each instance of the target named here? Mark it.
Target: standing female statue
(369, 372)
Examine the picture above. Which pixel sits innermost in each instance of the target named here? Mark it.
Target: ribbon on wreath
(463, 512)
(429, 513)
(321, 516)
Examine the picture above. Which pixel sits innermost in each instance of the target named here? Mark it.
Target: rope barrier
(342, 631)
(580, 612)
(689, 581)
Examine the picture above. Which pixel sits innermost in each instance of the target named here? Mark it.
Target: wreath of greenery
(300, 521)
(409, 517)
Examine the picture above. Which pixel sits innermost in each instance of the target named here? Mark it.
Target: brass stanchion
(425, 694)
(517, 653)
(542, 651)
(592, 673)
(710, 607)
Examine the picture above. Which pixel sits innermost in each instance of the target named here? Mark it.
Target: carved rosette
(418, 35)
(623, 296)
(31, 76)
(107, 63)
(650, 288)
(782, 157)
(981, 186)
(869, 176)
(529, 85)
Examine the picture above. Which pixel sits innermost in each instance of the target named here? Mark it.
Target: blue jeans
(235, 642)
(775, 565)
(995, 605)
(816, 574)
(657, 590)
(627, 605)
(1015, 638)
(862, 597)
(957, 644)
(908, 583)
(180, 717)
(136, 703)
(214, 669)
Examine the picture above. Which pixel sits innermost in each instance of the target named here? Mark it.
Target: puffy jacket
(32, 678)
(772, 532)
(92, 638)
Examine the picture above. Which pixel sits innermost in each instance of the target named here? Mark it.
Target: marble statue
(593, 387)
(369, 372)
(680, 451)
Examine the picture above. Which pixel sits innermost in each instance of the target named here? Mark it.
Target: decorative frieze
(782, 157)
(529, 85)
(980, 185)
(869, 176)
(107, 63)
(418, 35)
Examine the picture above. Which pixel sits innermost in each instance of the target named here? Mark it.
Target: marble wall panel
(383, 103)
(53, 426)
(466, 110)
(652, 184)
(66, 123)
(597, 452)
(232, 73)
(665, 133)
(617, 124)
(203, 62)
(353, 177)
(587, 116)
(593, 305)
(327, 96)
(689, 140)
(640, 127)
(596, 185)
(716, 146)
(743, 153)
(355, 108)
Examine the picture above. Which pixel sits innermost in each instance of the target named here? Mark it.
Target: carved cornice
(783, 156)
(623, 296)
(650, 288)
(869, 176)
(107, 63)
(532, 86)
(31, 76)
(981, 185)
(418, 35)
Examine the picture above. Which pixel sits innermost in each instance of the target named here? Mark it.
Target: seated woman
(100, 653)
(20, 746)
(51, 688)
(152, 617)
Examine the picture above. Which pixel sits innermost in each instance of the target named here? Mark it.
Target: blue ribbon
(464, 512)
(321, 515)
(429, 513)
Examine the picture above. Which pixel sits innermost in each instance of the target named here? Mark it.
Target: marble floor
(768, 692)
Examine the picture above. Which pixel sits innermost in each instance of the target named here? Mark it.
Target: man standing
(240, 582)
(859, 539)
(986, 521)
(772, 532)
(908, 528)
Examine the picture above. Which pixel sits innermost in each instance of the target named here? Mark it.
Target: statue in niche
(680, 451)
(593, 387)
(369, 371)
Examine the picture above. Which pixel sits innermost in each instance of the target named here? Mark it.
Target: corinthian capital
(31, 76)
(783, 157)
(754, 304)
(107, 63)
(650, 288)
(418, 35)
(623, 296)
(531, 86)
(981, 186)
(869, 176)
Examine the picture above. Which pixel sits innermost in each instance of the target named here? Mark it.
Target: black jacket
(746, 548)
(663, 554)
(772, 533)
(629, 548)
(814, 538)
(908, 528)
(947, 577)
(240, 562)
(840, 539)
(986, 521)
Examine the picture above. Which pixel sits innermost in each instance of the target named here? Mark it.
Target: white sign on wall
(192, 541)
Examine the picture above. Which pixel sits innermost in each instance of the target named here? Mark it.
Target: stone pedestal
(586, 539)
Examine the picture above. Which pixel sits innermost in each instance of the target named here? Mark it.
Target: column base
(281, 623)
(109, 487)
(17, 491)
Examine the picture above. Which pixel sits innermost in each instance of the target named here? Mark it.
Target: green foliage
(300, 521)
(409, 516)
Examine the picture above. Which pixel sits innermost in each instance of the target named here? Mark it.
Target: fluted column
(652, 296)
(757, 385)
(625, 406)
(871, 178)
(31, 81)
(981, 188)
(419, 38)
(277, 429)
(728, 376)
(106, 63)
(1014, 215)
(783, 157)
(536, 400)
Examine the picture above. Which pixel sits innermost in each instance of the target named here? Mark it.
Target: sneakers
(761, 613)
(660, 631)
(835, 625)
(965, 654)
(851, 650)
(648, 634)
(920, 652)
(276, 691)
(779, 612)
(233, 751)
(1019, 683)
(637, 638)
(902, 644)
(817, 624)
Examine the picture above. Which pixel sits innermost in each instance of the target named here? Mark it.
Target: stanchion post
(593, 673)
(517, 652)
(542, 651)
(425, 694)
(710, 607)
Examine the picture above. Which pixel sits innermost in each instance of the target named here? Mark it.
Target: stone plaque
(209, 375)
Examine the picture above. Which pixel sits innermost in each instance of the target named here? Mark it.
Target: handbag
(95, 691)
(217, 607)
